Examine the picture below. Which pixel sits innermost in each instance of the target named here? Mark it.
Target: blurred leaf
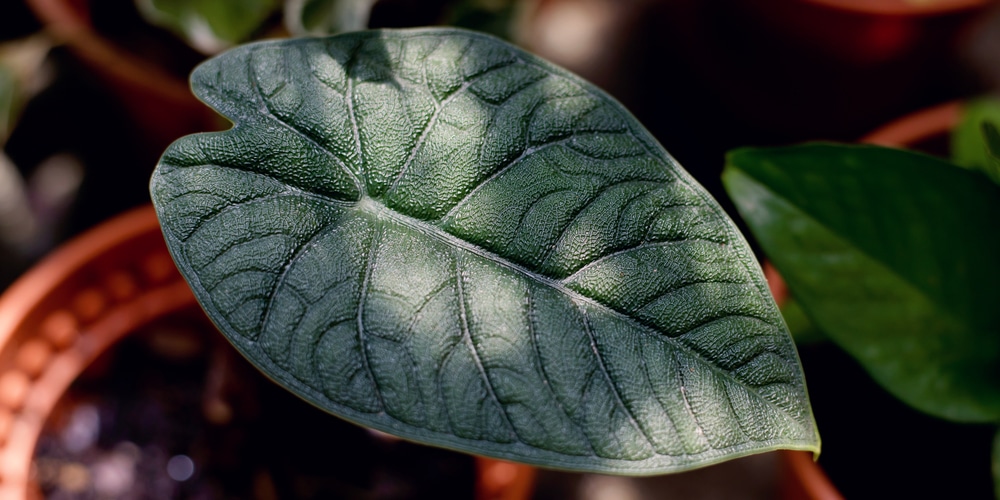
(992, 138)
(438, 235)
(326, 17)
(210, 25)
(23, 73)
(893, 255)
(18, 225)
(8, 102)
(970, 143)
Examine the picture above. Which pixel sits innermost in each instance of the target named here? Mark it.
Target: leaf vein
(423, 136)
(362, 297)
(533, 335)
(265, 110)
(579, 212)
(440, 234)
(588, 329)
(471, 345)
(499, 172)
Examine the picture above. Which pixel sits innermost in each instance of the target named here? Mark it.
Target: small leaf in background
(440, 236)
(210, 26)
(802, 329)
(992, 138)
(326, 17)
(970, 147)
(893, 255)
(23, 73)
(8, 102)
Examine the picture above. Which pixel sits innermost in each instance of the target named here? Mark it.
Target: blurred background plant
(92, 91)
(32, 206)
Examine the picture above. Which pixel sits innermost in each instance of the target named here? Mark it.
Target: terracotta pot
(919, 128)
(803, 479)
(500, 480)
(57, 318)
(158, 100)
(67, 310)
(901, 7)
(867, 31)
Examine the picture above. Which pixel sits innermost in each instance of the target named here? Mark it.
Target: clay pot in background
(73, 307)
(918, 129)
(57, 318)
(864, 31)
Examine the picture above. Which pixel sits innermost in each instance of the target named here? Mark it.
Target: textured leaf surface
(893, 255)
(440, 236)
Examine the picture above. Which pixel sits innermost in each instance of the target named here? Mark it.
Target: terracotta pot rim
(916, 127)
(21, 296)
(813, 480)
(901, 8)
(60, 315)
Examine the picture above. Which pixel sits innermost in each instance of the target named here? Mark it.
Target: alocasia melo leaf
(893, 255)
(440, 236)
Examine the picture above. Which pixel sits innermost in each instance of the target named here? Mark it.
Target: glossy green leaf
(971, 144)
(893, 255)
(210, 25)
(440, 236)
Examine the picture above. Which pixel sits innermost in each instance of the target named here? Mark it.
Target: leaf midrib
(377, 209)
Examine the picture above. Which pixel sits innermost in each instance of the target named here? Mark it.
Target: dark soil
(174, 412)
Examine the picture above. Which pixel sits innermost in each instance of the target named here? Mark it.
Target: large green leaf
(893, 255)
(440, 236)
